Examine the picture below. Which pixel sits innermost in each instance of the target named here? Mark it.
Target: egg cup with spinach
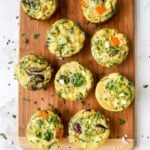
(33, 72)
(39, 9)
(44, 130)
(114, 92)
(65, 38)
(88, 129)
(109, 48)
(97, 11)
(73, 81)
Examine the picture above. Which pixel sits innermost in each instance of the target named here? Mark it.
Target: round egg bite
(65, 38)
(73, 81)
(114, 92)
(39, 9)
(33, 72)
(88, 129)
(44, 130)
(97, 11)
(109, 48)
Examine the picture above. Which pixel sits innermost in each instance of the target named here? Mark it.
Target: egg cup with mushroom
(33, 72)
(88, 129)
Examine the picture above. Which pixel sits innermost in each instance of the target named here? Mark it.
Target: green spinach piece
(77, 79)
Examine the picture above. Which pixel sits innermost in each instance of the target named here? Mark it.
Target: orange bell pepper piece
(115, 41)
(101, 9)
(44, 9)
(43, 114)
(83, 4)
(59, 133)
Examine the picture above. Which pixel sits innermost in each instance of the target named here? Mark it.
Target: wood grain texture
(123, 21)
(111, 144)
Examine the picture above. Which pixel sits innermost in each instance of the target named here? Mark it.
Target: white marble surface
(8, 90)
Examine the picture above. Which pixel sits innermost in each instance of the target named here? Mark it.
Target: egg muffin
(114, 92)
(44, 130)
(65, 38)
(88, 129)
(33, 72)
(97, 11)
(109, 47)
(39, 9)
(73, 81)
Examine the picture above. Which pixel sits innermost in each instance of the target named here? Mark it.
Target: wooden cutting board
(123, 21)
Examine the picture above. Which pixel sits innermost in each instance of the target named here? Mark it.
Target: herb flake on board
(39, 108)
(22, 34)
(87, 22)
(26, 99)
(3, 136)
(122, 121)
(26, 41)
(95, 27)
(35, 102)
(42, 99)
(36, 35)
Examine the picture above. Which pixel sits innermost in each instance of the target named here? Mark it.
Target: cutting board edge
(111, 144)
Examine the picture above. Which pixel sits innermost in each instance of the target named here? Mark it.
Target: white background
(9, 30)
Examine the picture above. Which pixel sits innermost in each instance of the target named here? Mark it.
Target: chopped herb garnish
(68, 111)
(83, 102)
(122, 121)
(26, 99)
(64, 101)
(87, 22)
(38, 108)
(145, 86)
(8, 42)
(3, 136)
(48, 136)
(22, 34)
(14, 116)
(17, 17)
(77, 80)
(142, 136)
(42, 99)
(78, 23)
(89, 104)
(49, 104)
(36, 35)
(25, 41)
(10, 62)
(95, 27)
(35, 102)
